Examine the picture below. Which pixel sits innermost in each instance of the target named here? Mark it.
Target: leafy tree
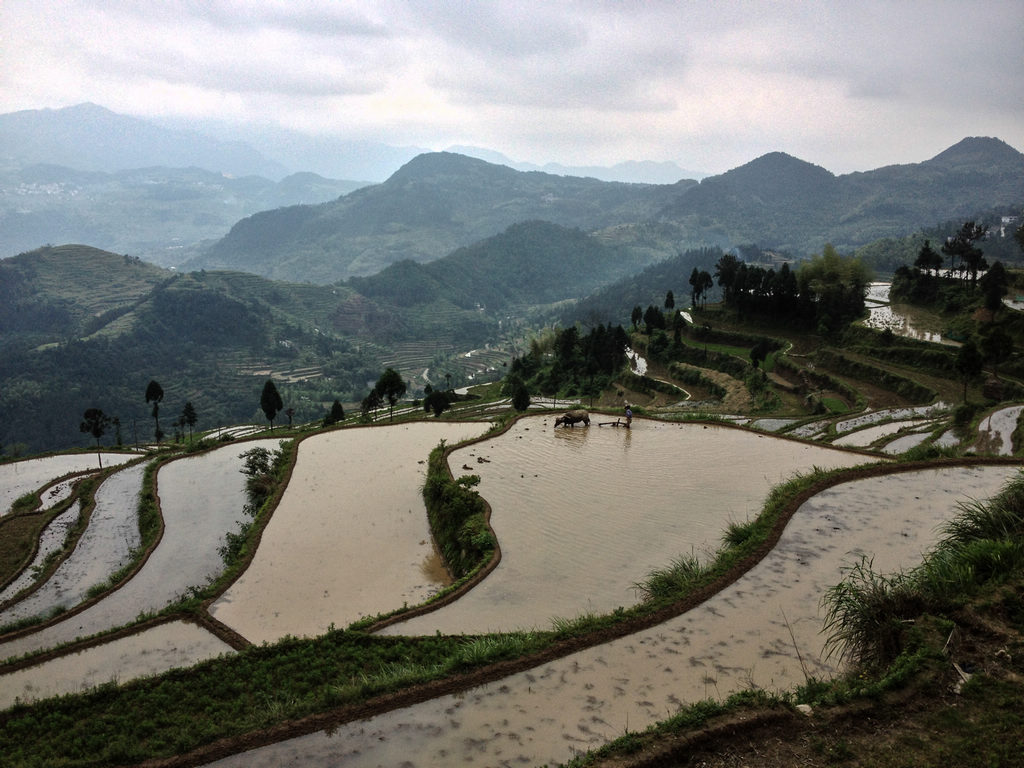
(759, 352)
(996, 346)
(155, 394)
(725, 273)
(968, 364)
(336, 414)
(437, 402)
(95, 422)
(834, 286)
(704, 284)
(654, 318)
(270, 401)
(670, 301)
(391, 387)
(928, 260)
(994, 285)
(371, 403)
(188, 417)
(636, 316)
(961, 247)
(520, 397)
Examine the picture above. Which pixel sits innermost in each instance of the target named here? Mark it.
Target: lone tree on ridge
(155, 394)
(188, 417)
(271, 402)
(95, 422)
(391, 387)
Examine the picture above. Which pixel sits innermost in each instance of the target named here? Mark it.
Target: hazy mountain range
(449, 254)
(166, 191)
(93, 138)
(441, 201)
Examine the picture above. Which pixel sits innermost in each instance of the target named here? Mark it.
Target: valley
(342, 576)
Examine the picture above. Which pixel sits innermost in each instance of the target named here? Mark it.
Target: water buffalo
(569, 418)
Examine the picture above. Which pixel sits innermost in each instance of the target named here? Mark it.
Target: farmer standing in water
(629, 415)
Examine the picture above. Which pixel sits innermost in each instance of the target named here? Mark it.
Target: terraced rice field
(581, 515)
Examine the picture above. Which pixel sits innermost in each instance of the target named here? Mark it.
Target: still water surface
(747, 635)
(583, 514)
(349, 537)
(201, 498)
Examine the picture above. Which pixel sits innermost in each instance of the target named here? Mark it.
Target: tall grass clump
(738, 533)
(866, 613)
(1002, 517)
(679, 576)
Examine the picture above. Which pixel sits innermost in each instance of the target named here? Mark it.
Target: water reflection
(902, 319)
(745, 636)
(349, 537)
(583, 514)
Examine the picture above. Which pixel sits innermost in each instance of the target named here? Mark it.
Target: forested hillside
(432, 205)
(83, 328)
(442, 201)
(534, 262)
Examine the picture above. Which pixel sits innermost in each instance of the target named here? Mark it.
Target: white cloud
(849, 86)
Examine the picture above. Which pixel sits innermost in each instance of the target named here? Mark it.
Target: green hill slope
(83, 328)
(434, 204)
(442, 201)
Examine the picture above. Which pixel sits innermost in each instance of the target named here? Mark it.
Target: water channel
(748, 635)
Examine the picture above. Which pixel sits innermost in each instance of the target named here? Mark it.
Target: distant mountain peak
(435, 165)
(777, 173)
(978, 151)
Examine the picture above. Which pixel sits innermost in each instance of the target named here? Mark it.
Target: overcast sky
(849, 85)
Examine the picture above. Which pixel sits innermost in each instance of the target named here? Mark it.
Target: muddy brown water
(156, 650)
(105, 546)
(20, 477)
(762, 631)
(201, 498)
(349, 537)
(583, 514)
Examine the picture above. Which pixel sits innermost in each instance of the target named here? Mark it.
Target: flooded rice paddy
(902, 319)
(155, 650)
(20, 477)
(583, 514)
(862, 438)
(995, 432)
(349, 538)
(105, 546)
(50, 540)
(201, 498)
(748, 635)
